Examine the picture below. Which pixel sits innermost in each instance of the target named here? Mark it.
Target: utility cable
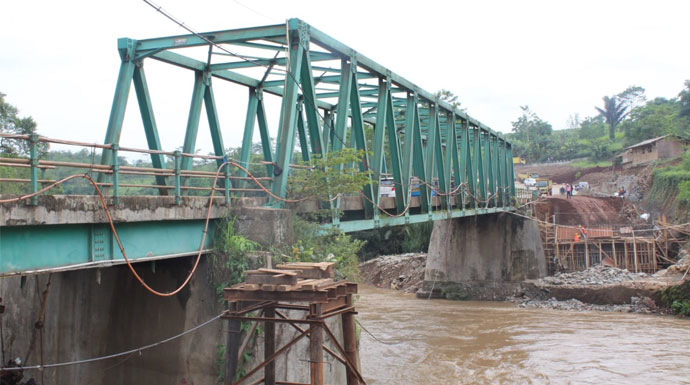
(376, 338)
(88, 360)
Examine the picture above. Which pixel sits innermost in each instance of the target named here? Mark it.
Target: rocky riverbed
(601, 288)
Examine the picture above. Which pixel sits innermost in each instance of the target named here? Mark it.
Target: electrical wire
(88, 360)
(376, 338)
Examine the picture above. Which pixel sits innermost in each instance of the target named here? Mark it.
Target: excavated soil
(586, 210)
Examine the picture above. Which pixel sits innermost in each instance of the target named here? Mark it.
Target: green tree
(11, 123)
(592, 128)
(449, 97)
(632, 97)
(614, 112)
(533, 136)
(658, 117)
(684, 98)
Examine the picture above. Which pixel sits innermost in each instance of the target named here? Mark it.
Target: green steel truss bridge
(442, 162)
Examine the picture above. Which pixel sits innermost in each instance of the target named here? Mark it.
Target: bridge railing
(173, 181)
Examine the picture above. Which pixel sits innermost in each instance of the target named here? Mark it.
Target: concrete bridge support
(96, 312)
(483, 257)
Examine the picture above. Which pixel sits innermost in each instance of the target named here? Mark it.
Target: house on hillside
(663, 147)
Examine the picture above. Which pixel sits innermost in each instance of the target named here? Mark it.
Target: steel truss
(330, 93)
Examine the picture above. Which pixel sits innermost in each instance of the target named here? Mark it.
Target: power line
(88, 360)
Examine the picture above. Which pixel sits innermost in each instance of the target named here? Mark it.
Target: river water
(452, 342)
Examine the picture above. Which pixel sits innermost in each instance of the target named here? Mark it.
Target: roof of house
(649, 141)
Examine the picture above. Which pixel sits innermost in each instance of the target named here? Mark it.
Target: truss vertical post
(359, 140)
(189, 146)
(411, 119)
(489, 155)
(379, 136)
(302, 133)
(418, 164)
(511, 173)
(249, 123)
(149, 121)
(430, 149)
(458, 171)
(266, 145)
(288, 111)
(213, 122)
(394, 147)
(318, 145)
(126, 49)
(443, 178)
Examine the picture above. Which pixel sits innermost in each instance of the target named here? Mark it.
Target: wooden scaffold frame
(307, 287)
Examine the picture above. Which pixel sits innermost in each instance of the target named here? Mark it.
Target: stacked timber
(295, 277)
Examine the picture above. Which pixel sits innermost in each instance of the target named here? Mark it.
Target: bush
(229, 259)
(316, 245)
(677, 298)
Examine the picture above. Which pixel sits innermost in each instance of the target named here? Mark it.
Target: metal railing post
(178, 182)
(116, 175)
(227, 183)
(33, 154)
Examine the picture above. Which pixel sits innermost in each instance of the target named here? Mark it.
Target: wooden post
(232, 346)
(635, 250)
(269, 346)
(586, 253)
(316, 347)
(625, 246)
(654, 256)
(615, 256)
(350, 342)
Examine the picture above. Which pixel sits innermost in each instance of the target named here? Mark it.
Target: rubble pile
(637, 305)
(595, 275)
(400, 272)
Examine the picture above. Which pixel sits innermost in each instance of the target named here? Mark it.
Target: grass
(588, 163)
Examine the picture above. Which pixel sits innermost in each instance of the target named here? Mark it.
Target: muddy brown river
(449, 342)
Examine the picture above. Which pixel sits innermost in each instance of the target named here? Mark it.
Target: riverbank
(599, 288)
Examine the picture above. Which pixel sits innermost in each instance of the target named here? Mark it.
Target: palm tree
(614, 111)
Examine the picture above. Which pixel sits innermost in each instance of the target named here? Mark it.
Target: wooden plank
(260, 295)
(276, 271)
(287, 287)
(317, 284)
(272, 279)
(267, 287)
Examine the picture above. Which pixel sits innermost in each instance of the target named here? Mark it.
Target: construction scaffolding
(307, 287)
(569, 248)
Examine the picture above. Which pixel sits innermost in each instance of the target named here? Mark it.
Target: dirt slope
(586, 210)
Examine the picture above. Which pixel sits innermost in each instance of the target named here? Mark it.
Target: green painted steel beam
(29, 248)
(368, 224)
(218, 37)
(288, 118)
(149, 121)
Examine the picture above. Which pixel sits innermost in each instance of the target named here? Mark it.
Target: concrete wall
(86, 318)
(484, 257)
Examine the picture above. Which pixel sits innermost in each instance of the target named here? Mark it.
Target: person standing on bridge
(568, 190)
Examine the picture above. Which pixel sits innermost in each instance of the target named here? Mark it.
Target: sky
(59, 62)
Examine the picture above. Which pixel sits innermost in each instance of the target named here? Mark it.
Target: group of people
(621, 192)
(568, 190)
